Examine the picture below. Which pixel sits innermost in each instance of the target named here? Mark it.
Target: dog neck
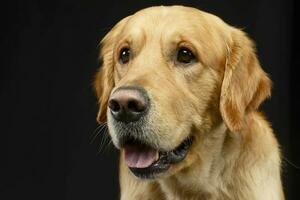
(204, 179)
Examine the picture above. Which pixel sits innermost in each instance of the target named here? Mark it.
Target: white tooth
(156, 156)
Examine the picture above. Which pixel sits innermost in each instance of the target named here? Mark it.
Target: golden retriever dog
(179, 89)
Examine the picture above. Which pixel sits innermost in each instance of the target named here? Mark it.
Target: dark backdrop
(47, 107)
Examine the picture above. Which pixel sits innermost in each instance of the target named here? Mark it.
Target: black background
(48, 109)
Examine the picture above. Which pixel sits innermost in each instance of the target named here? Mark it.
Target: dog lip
(179, 153)
(164, 161)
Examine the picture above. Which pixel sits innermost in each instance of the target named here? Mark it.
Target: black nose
(128, 104)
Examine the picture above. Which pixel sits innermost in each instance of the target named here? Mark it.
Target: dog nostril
(135, 106)
(114, 105)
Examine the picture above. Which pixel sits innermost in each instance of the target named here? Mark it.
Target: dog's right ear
(104, 79)
(245, 85)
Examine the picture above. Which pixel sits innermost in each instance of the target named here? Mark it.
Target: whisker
(291, 163)
(105, 141)
(102, 141)
(109, 144)
(97, 131)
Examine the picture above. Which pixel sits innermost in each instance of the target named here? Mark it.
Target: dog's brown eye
(124, 55)
(184, 55)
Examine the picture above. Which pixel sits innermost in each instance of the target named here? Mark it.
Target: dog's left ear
(104, 78)
(245, 85)
(103, 84)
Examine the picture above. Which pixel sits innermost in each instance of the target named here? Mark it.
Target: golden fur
(235, 154)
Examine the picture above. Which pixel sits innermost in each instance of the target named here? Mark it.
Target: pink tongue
(137, 157)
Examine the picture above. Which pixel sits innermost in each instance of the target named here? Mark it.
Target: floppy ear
(103, 85)
(245, 85)
(104, 79)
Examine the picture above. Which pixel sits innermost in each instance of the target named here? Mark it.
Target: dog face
(169, 76)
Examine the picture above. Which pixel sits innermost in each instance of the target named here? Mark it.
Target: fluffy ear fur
(104, 80)
(245, 85)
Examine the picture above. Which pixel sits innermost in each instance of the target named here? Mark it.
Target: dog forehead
(165, 11)
(163, 18)
(169, 20)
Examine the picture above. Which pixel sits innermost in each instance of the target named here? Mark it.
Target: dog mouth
(145, 161)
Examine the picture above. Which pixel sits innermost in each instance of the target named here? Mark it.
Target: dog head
(169, 76)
